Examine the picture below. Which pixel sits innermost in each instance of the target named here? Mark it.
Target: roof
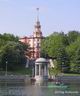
(41, 60)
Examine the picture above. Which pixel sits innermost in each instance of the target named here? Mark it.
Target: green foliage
(9, 37)
(75, 64)
(63, 47)
(53, 43)
(12, 51)
(63, 60)
(72, 36)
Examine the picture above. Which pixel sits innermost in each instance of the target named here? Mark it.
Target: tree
(73, 53)
(63, 60)
(9, 37)
(75, 63)
(72, 36)
(14, 54)
(54, 46)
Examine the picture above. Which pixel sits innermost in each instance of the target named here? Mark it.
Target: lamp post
(6, 68)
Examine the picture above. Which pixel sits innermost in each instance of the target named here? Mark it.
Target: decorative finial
(37, 9)
(37, 14)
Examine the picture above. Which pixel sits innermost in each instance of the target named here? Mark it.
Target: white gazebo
(41, 69)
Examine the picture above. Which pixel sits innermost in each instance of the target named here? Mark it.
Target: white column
(45, 70)
(35, 70)
(39, 69)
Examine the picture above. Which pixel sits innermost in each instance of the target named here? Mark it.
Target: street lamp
(6, 68)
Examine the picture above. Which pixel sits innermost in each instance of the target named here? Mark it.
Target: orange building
(34, 41)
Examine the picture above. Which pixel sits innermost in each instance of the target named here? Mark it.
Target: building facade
(34, 41)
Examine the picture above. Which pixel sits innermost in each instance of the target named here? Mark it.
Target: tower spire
(37, 14)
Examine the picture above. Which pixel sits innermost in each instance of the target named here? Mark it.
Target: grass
(19, 71)
(23, 71)
(71, 74)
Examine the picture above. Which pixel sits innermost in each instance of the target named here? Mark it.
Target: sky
(18, 17)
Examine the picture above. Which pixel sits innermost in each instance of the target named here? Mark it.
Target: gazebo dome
(41, 60)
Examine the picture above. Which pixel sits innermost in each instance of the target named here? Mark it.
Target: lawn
(19, 71)
(70, 74)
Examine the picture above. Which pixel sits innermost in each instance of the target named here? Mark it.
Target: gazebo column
(39, 69)
(35, 70)
(45, 70)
